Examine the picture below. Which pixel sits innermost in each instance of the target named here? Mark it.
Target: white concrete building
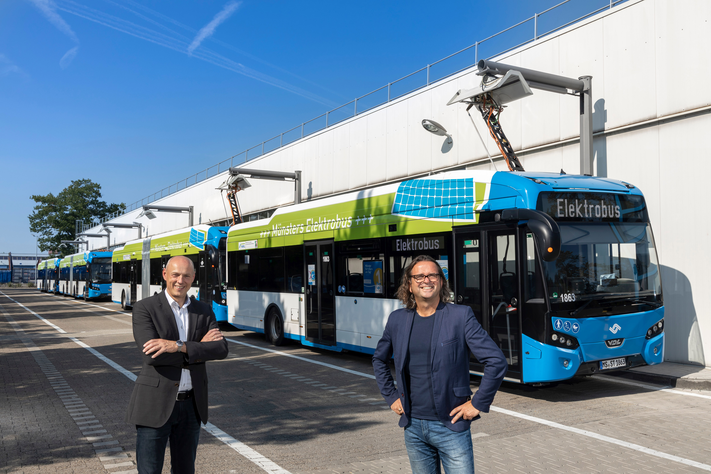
(652, 110)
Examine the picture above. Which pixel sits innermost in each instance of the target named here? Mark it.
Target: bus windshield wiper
(583, 306)
(631, 300)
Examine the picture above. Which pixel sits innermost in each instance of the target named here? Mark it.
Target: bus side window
(294, 267)
(156, 271)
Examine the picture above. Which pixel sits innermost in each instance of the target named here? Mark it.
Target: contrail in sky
(210, 28)
(49, 9)
(180, 43)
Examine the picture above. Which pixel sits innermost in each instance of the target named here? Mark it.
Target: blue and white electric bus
(561, 270)
(86, 275)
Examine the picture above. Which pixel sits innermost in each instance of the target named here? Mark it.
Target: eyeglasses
(421, 277)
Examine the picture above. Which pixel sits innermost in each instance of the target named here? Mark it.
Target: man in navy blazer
(430, 341)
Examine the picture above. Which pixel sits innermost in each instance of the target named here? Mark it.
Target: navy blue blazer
(456, 331)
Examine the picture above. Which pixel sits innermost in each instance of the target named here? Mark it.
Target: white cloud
(207, 30)
(68, 57)
(7, 67)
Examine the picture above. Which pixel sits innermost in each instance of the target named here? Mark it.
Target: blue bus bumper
(99, 291)
(220, 312)
(547, 363)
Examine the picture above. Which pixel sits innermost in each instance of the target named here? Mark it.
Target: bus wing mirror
(543, 226)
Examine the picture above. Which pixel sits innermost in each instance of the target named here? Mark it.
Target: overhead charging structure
(502, 83)
(237, 181)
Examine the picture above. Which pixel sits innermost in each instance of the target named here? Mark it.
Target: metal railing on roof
(326, 120)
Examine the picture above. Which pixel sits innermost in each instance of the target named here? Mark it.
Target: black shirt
(418, 369)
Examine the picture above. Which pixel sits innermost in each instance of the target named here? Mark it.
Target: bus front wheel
(275, 327)
(123, 300)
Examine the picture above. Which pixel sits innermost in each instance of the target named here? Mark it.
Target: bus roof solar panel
(435, 198)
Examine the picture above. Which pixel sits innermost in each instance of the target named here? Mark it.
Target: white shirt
(181, 319)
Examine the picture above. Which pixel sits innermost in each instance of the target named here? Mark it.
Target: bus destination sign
(591, 206)
(418, 244)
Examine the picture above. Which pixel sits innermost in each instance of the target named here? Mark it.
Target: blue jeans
(429, 442)
(182, 430)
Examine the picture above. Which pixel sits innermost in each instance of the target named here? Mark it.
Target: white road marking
(665, 389)
(604, 438)
(324, 364)
(590, 434)
(244, 450)
(241, 448)
(57, 382)
(552, 424)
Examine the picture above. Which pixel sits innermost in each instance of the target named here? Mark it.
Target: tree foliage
(54, 217)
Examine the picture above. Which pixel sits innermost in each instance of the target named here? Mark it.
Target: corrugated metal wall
(651, 116)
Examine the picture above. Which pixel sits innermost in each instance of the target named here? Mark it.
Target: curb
(669, 380)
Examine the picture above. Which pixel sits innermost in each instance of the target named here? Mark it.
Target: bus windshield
(100, 270)
(603, 269)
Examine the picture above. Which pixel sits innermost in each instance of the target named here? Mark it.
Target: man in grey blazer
(176, 335)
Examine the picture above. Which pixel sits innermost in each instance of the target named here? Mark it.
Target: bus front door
(205, 292)
(133, 280)
(163, 262)
(320, 295)
(487, 281)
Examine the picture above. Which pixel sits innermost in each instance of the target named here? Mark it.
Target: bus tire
(123, 300)
(275, 327)
(86, 293)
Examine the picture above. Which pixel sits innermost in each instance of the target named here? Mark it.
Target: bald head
(179, 274)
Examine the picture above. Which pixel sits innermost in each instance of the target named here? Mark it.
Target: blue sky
(139, 94)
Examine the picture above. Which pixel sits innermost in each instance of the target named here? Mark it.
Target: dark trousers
(182, 430)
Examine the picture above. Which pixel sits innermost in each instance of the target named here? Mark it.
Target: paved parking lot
(67, 369)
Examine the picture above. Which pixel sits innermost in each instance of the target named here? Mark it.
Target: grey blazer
(156, 387)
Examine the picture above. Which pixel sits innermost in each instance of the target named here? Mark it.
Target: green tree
(54, 217)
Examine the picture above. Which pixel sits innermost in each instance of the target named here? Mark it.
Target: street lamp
(433, 127)
(149, 208)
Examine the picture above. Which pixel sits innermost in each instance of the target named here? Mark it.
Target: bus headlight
(656, 329)
(564, 340)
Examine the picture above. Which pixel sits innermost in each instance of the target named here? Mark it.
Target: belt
(184, 395)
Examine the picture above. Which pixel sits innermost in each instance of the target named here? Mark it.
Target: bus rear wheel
(275, 327)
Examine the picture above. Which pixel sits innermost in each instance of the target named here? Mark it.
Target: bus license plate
(613, 363)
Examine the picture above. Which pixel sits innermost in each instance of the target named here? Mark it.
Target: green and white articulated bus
(561, 270)
(138, 265)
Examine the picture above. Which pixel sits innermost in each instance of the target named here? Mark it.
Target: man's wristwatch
(179, 343)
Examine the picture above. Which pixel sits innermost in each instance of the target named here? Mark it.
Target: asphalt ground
(67, 370)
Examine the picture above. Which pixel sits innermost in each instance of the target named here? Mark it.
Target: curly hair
(405, 295)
